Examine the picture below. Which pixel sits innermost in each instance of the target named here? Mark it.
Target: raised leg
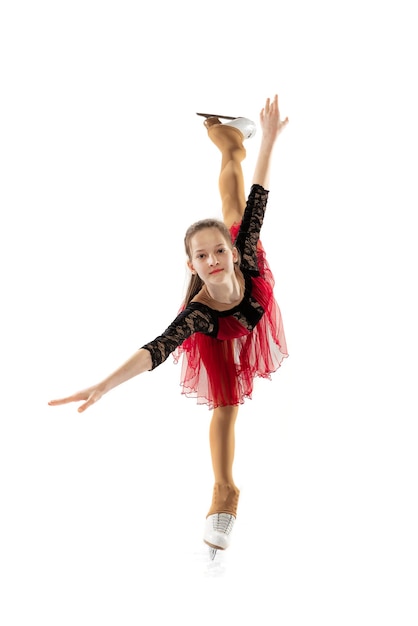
(229, 140)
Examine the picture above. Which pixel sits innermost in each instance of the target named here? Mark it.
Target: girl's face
(211, 256)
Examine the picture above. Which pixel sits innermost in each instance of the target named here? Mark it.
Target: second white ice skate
(217, 533)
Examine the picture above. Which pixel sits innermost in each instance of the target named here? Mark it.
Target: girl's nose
(212, 259)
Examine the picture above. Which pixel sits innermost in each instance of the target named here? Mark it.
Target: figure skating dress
(224, 350)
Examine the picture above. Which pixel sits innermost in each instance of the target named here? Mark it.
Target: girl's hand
(270, 121)
(271, 126)
(90, 396)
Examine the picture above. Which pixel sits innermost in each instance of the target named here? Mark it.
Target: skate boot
(246, 127)
(221, 518)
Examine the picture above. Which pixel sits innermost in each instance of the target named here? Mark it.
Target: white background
(103, 166)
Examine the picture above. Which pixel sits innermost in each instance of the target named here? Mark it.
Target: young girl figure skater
(229, 329)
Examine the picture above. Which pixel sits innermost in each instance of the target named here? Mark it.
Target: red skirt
(221, 371)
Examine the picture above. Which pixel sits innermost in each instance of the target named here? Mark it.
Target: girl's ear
(234, 254)
(190, 266)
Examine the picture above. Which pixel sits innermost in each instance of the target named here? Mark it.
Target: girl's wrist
(267, 144)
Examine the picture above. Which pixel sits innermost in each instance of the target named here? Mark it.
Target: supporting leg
(222, 448)
(223, 511)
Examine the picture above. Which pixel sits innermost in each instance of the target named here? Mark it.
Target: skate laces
(222, 522)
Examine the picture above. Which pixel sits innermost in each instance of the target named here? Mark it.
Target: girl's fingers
(76, 397)
(61, 401)
(88, 397)
(91, 400)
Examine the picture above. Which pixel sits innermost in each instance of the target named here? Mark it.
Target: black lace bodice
(249, 232)
(199, 318)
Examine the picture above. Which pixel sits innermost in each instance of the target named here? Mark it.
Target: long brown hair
(196, 283)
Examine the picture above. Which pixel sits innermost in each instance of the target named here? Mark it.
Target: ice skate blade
(224, 117)
(212, 553)
(213, 550)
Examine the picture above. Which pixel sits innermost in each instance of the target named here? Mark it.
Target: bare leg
(222, 448)
(229, 140)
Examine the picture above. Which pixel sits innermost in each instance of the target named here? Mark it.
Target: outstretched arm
(148, 357)
(271, 126)
(138, 363)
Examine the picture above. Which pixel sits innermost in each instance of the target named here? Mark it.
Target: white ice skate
(217, 533)
(246, 126)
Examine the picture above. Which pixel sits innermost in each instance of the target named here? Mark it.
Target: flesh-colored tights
(229, 140)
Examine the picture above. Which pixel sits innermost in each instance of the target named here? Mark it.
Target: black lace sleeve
(249, 232)
(194, 319)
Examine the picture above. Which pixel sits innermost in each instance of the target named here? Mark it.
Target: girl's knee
(226, 412)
